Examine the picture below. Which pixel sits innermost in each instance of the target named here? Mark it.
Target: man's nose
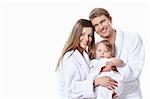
(100, 26)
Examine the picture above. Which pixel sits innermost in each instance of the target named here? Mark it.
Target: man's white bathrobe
(129, 48)
(72, 75)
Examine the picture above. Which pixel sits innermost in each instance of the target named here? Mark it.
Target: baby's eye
(99, 50)
(106, 51)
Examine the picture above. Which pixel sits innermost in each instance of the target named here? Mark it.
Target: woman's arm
(72, 83)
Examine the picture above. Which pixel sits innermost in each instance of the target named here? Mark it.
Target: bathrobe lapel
(119, 43)
(83, 61)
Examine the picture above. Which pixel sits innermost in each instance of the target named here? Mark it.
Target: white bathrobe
(103, 92)
(72, 76)
(129, 48)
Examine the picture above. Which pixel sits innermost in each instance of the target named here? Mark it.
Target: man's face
(102, 26)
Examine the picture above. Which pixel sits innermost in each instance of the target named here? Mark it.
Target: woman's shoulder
(67, 55)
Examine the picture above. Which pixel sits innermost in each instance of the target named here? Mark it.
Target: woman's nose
(86, 37)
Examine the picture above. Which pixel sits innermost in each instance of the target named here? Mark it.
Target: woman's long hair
(74, 39)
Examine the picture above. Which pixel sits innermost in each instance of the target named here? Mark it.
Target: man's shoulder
(130, 35)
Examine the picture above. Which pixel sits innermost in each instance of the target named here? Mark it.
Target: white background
(33, 33)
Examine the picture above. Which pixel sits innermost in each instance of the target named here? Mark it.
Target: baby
(106, 65)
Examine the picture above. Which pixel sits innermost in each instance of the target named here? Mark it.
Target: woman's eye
(90, 35)
(99, 50)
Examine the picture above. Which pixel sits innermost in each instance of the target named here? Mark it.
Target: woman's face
(86, 37)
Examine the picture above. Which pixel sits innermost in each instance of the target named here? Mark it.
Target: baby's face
(102, 51)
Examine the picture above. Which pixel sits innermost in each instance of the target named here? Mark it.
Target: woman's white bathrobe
(72, 74)
(129, 48)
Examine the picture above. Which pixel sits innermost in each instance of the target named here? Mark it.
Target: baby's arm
(117, 62)
(112, 64)
(108, 66)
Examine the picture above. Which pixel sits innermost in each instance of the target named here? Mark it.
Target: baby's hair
(110, 47)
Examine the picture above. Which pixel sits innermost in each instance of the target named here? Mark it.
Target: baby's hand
(106, 68)
(109, 63)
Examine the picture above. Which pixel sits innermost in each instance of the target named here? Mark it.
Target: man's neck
(112, 38)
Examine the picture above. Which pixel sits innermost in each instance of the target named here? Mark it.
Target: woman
(73, 65)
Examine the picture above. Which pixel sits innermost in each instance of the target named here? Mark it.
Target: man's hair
(96, 12)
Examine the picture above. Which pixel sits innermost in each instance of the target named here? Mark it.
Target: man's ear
(110, 18)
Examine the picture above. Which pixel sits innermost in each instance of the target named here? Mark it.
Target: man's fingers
(113, 80)
(110, 87)
(114, 95)
(112, 83)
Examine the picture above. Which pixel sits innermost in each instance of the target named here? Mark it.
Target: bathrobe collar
(82, 60)
(119, 43)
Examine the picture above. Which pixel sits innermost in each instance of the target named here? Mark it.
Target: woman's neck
(80, 50)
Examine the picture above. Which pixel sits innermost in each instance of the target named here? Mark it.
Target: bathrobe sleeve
(95, 68)
(72, 83)
(135, 59)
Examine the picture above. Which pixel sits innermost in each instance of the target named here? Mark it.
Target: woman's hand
(105, 82)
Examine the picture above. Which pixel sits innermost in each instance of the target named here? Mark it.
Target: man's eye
(102, 21)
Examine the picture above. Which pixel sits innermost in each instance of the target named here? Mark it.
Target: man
(129, 48)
